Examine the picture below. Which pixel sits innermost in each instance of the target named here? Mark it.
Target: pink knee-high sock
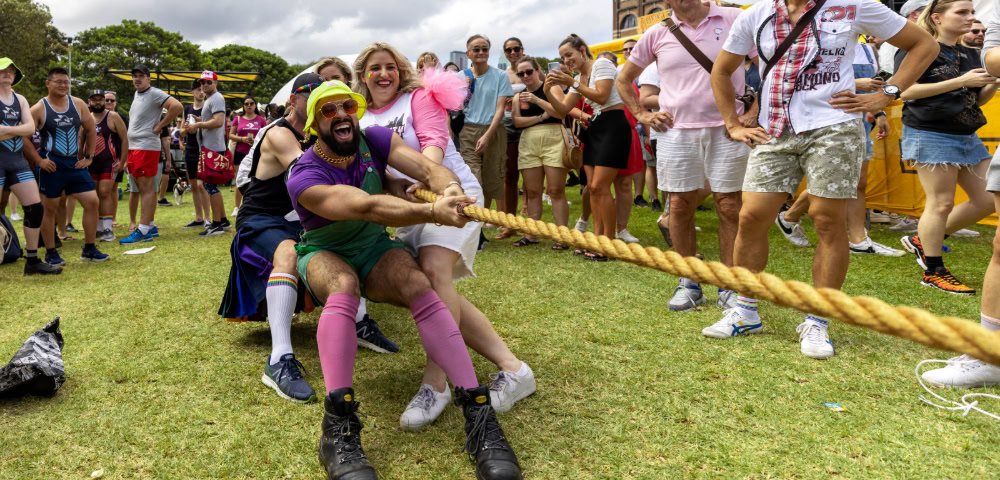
(337, 340)
(442, 340)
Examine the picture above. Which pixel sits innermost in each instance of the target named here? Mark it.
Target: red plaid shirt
(788, 68)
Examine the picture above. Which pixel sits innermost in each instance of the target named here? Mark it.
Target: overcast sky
(303, 30)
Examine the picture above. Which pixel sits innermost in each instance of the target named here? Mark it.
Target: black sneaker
(482, 240)
(656, 206)
(572, 180)
(41, 268)
(286, 379)
(225, 224)
(163, 202)
(213, 229)
(640, 202)
(484, 439)
(195, 224)
(340, 449)
(71, 229)
(370, 337)
(58, 241)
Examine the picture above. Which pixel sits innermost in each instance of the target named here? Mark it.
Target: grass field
(159, 387)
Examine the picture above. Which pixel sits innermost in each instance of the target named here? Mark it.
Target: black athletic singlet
(11, 149)
(105, 151)
(60, 133)
(266, 197)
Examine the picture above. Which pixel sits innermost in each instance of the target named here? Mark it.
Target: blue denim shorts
(869, 147)
(934, 148)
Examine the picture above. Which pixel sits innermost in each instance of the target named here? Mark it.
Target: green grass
(159, 387)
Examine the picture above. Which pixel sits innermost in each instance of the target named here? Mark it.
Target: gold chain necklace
(328, 159)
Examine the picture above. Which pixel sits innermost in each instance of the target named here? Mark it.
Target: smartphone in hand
(553, 66)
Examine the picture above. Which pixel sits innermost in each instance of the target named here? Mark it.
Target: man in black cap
(189, 136)
(267, 230)
(144, 146)
(108, 159)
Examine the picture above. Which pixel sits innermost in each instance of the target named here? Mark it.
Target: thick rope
(947, 333)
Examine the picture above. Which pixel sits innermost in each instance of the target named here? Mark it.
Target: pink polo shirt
(685, 87)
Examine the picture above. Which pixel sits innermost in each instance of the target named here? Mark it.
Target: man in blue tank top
(63, 168)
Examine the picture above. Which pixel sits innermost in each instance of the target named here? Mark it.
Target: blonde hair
(408, 80)
(940, 6)
(426, 56)
(342, 65)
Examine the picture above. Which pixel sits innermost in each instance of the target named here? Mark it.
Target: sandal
(665, 231)
(560, 246)
(578, 252)
(595, 257)
(504, 233)
(66, 238)
(525, 241)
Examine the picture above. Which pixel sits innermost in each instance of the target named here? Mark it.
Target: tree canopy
(28, 37)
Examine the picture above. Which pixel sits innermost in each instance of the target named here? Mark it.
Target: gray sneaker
(687, 296)
(727, 299)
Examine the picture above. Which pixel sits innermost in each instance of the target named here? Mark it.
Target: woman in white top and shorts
(399, 100)
(609, 136)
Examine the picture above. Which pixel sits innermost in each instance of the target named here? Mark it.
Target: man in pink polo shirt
(695, 147)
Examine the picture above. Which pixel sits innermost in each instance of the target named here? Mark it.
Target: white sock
(143, 229)
(523, 370)
(281, 296)
(362, 310)
(989, 323)
(819, 321)
(747, 306)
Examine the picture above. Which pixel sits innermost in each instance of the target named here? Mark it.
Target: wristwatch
(891, 90)
(879, 114)
(576, 84)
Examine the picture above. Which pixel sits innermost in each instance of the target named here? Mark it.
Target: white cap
(911, 6)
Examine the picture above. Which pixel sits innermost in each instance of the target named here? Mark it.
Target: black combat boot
(484, 439)
(340, 449)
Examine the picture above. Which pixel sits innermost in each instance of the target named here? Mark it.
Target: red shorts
(143, 163)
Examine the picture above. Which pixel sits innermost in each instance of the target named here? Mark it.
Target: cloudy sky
(305, 30)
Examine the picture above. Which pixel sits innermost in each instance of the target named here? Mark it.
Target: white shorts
(685, 157)
(464, 241)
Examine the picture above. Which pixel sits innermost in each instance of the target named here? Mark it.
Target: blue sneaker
(52, 258)
(286, 379)
(92, 254)
(154, 232)
(136, 237)
(370, 337)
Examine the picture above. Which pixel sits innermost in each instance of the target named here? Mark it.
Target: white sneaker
(581, 226)
(236, 211)
(16, 217)
(792, 231)
(964, 372)
(879, 217)
(727, 299)
(546, 198)
(905, 224)
(815, 340)
(425, 407)
(965, 232)
(733, 324)
(869, 247)
(687, 296)
(509, 388)
(626, 236)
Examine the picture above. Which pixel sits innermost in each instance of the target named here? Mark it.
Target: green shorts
(362, 263)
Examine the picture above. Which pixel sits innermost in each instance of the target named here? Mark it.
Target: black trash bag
(37, 367)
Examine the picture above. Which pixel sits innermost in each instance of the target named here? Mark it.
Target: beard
(97, 109)
(346, 147)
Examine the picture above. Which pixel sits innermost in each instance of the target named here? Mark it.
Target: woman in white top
(417, 112)
(609, 136)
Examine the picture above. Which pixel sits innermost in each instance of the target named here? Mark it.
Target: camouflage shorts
(829, 157)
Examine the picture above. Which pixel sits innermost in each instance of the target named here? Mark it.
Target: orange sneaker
(942, 279)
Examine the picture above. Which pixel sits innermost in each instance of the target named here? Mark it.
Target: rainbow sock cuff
(746, 303)
(106, 217)
(279, 280)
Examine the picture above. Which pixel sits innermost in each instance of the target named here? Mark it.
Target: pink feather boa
(448, 89)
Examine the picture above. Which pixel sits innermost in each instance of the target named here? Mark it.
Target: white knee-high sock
(362, 310)
(281, 296)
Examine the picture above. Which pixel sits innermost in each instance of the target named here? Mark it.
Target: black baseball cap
(96, 93)
(140, 68)
(308, 78)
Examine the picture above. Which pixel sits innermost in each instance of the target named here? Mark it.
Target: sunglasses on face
(110, 100)
(976, 31)
(329, 110)
(512, 50)
(526, 73)
(248, 103)
(480, 50)
(205, 82)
